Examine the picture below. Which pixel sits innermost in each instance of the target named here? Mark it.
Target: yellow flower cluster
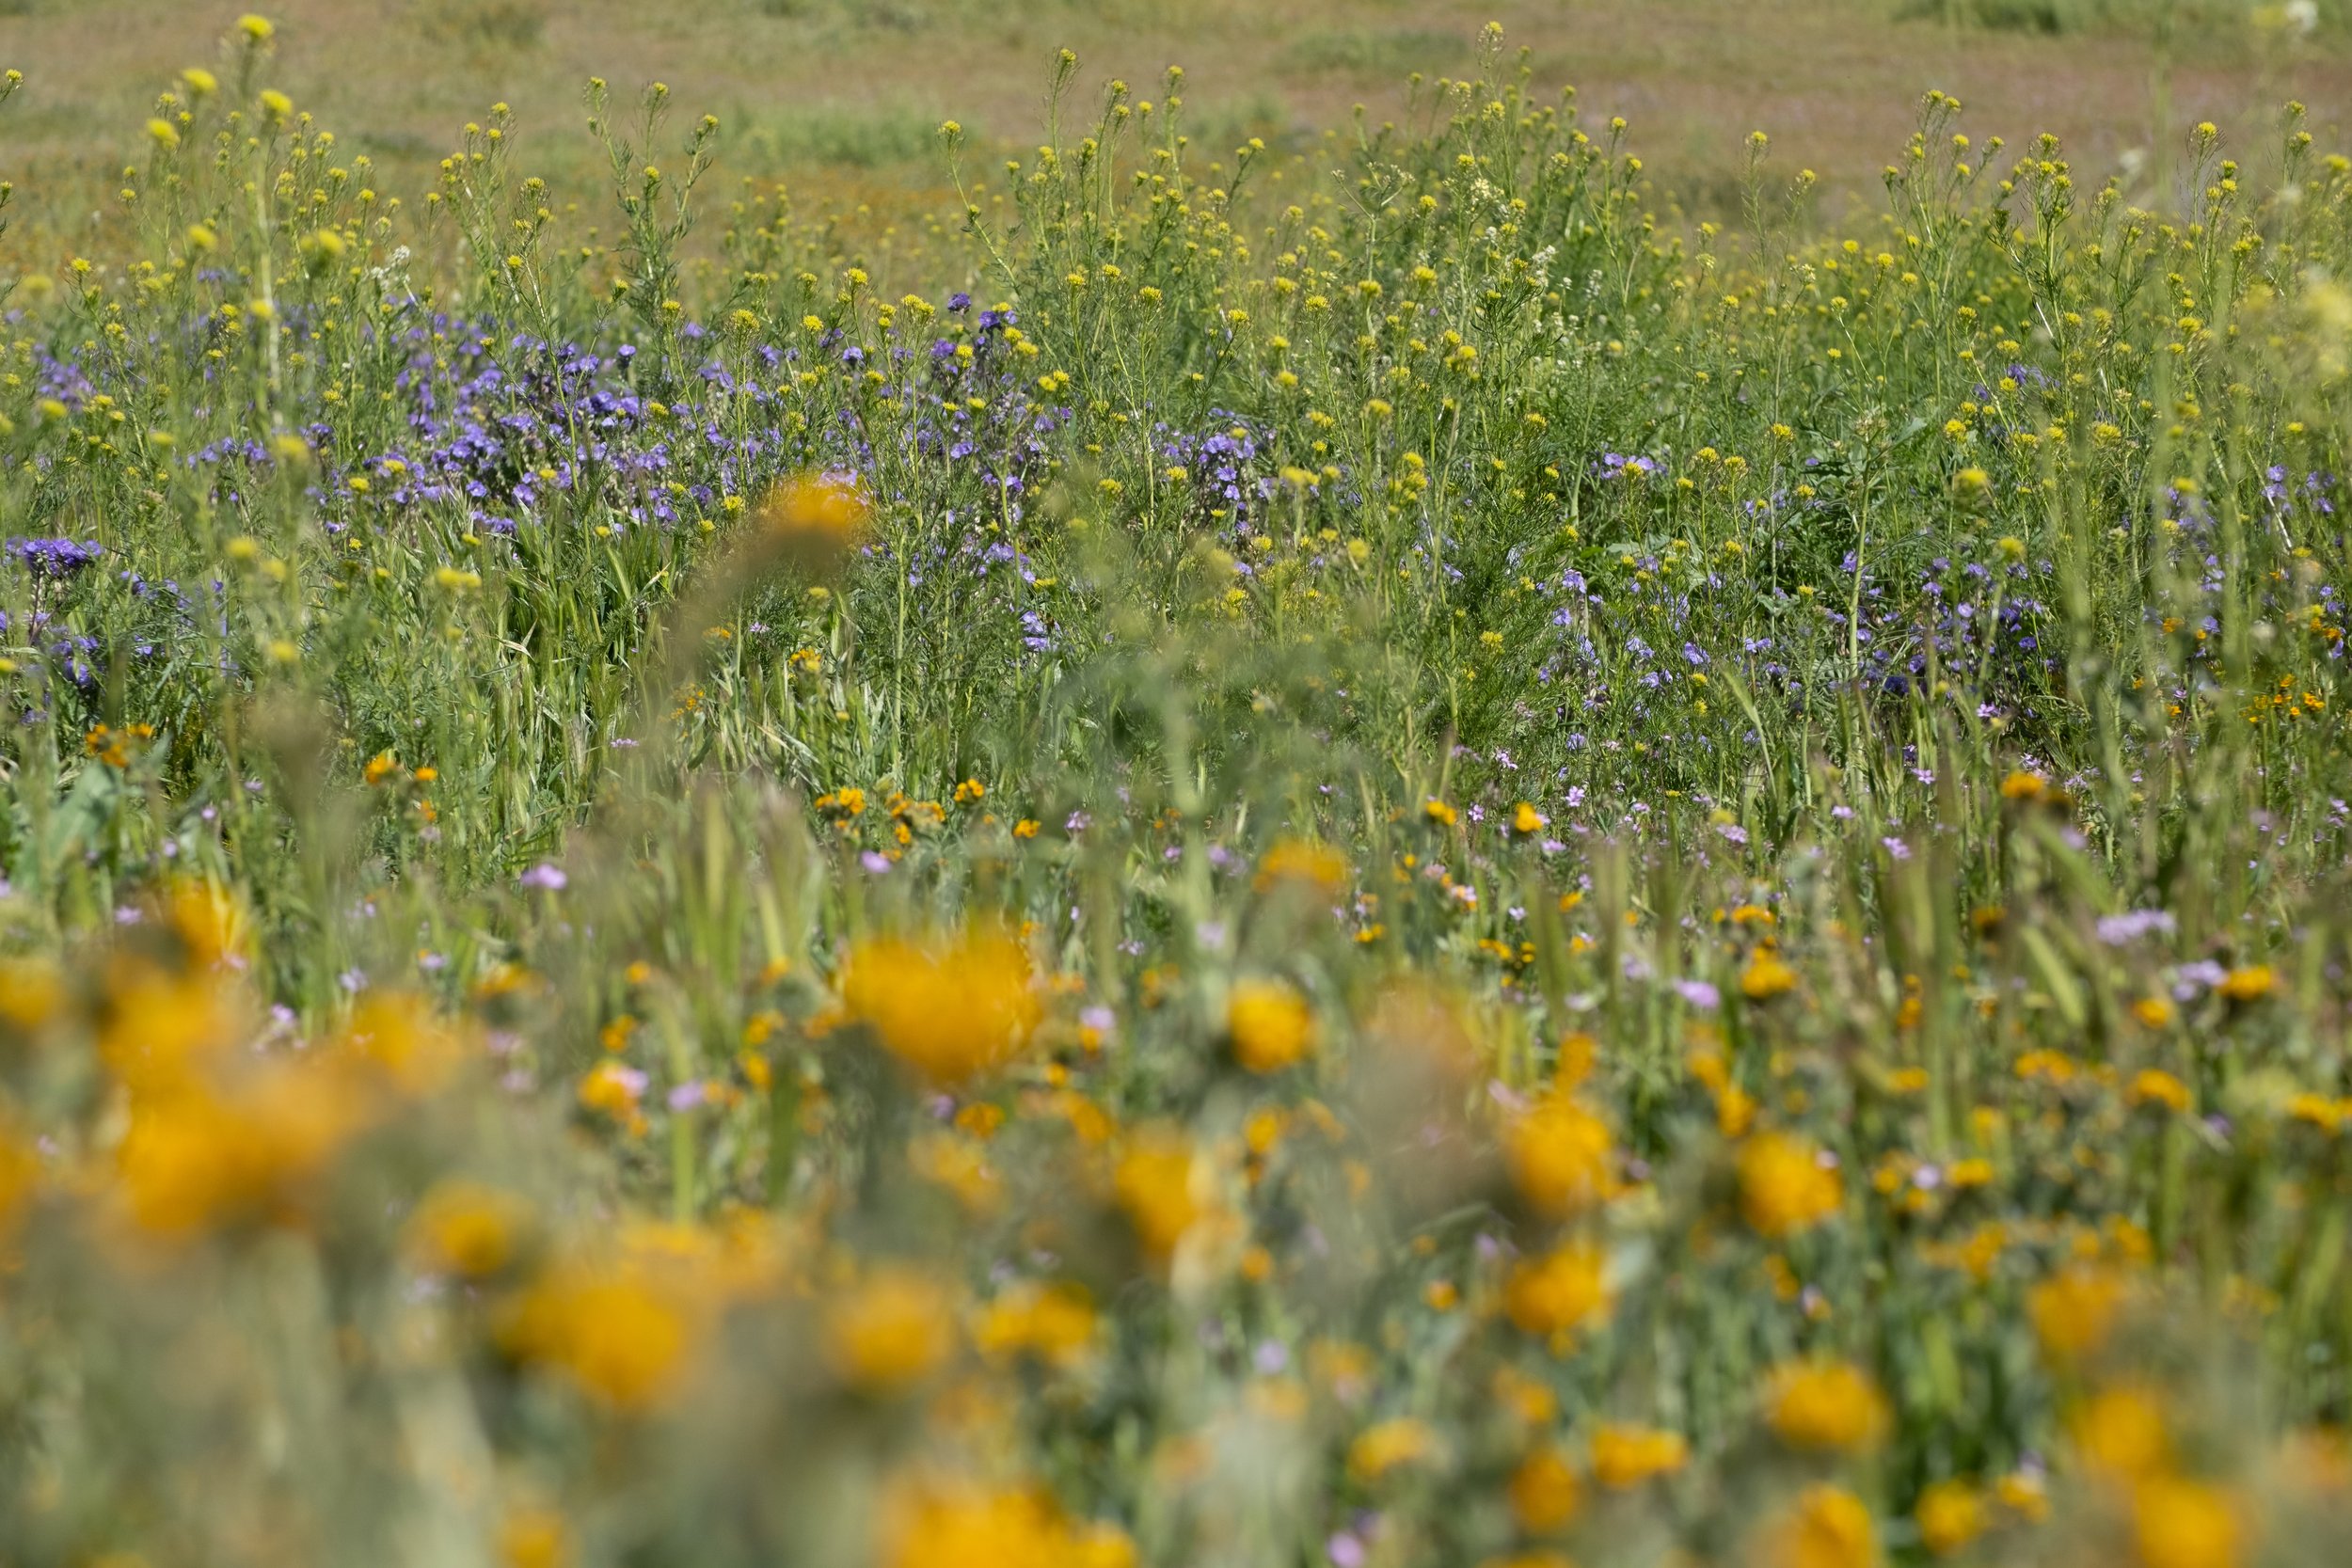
(950, 1009)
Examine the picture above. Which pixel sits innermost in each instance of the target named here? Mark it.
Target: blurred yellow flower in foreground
(611, 1329)
(251, 1152)
(399, 1035)
(533, 1538)
(971, 1528)
(1303, 864)
(2119, 1433)
(31, 993)
(1784, 1186)
(891, 1330)
(1559, 1157)
(1950, 1514)
(1052, 1323)
(816, 517)
(19, 1174)
(468, 1230)
(1560, 1291)
(2072, 1311)
(1767, 976)
(2248, 983)
(160, 1029)
(1543, 1492)
(1154, 1183)
(949, 1010)
(1390, 1446)
(1824, 1406)
(1270, 1026)
(1827, 1527)
(1626, 1456)
(2177, 1523)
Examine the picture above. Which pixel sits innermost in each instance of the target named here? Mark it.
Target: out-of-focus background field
(844, 96)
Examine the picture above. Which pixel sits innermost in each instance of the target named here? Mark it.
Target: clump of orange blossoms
(1784, 1186)
(950, 1010)
(1559, 1157)
(1626, 1456)
(1826, 1405)
(814, 518)
(1559, 1293)
(1270, 1026)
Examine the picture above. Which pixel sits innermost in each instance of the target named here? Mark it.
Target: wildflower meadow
(1351, 852)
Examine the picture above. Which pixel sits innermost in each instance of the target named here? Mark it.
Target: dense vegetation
(1369, 857)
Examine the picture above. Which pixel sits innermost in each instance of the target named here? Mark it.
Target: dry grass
(840, 94)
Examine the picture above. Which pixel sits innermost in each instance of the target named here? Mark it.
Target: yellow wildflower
(2178, 1522)
(1559, 1157)
(814, 518)
(2155, 1086)
(1270, 1026)
(2119, 1433)
(203, 1158)
(1304, 862)
(1766, 977)
(1560, 1291)
(1826, 1405)
(1827, 1527)
(1154, 1182)
(1950, 1514)
(966, 1527)
(1389, 1445)
(1784, 1186)
(949, 1010)
(533, 1538)
(2248, 983)
(31, 993)
(607, 1329)
(889, 1331)
(19, 1174)
(1626, 1456)
(2074, 1310)
(1052, 1323)
(465, 1228)
(1543, 1492)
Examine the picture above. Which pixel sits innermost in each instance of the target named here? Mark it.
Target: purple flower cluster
(55, 558)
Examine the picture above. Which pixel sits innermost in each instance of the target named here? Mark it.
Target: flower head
(1303, 863)
(1559, 1292)
(890, 1330)
(468, 1230)
(1950, 1515)
(612, 1331)
(2179, 1522)
(1767, 976)
(1784, 1186)
(1544, 1491)
(816, 518)
(1560, 1157)
(1827, 1405)
(1154, 1183)
(2074, 1310)
(949, 1010)
(1390, 1446)
(1827, 1528)
(1626, 1456)
(1270, 1026)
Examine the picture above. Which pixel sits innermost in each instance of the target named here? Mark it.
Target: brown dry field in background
(839, 98)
